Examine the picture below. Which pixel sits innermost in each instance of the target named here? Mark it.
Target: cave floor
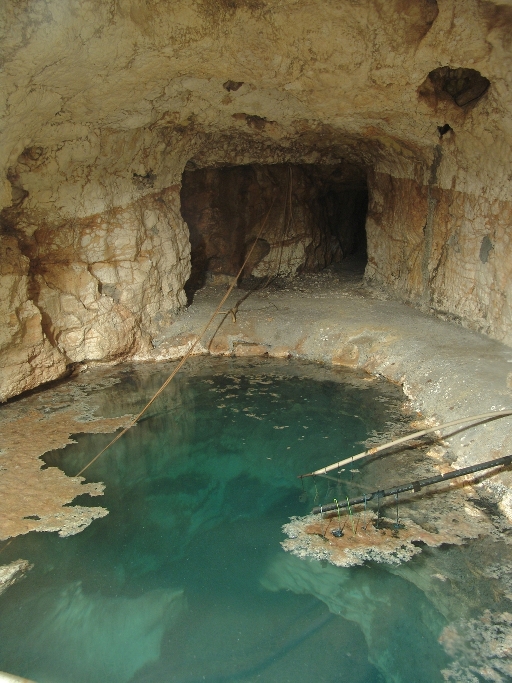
(447, 372)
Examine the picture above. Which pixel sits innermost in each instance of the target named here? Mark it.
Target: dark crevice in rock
(460, 86)
(232, 86)
(143, 182)
(427, 271)
(443, 130)
(485, 249)
(18, 192)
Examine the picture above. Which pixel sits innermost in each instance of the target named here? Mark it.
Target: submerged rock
(395, 618)
(9, 573)
(481, 648)
(110, 637)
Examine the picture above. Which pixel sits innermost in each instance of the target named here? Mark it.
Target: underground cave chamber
(313, 214)
(144, 145)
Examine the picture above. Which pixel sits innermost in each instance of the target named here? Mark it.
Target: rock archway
(304, 218)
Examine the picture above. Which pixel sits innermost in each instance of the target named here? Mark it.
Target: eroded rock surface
(96, 288)
(27, 358)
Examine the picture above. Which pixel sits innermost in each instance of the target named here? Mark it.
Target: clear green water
(178, 582)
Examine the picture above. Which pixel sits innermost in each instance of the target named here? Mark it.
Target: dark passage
(316, 217)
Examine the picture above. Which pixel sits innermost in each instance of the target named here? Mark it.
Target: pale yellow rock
(27, 358)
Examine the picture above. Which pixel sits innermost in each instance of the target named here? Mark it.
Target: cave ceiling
(95, 92)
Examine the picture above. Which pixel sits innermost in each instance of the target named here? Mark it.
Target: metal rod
(415, 485)
(483, 417)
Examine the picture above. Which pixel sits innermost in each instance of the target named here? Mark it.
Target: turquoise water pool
(182, 581)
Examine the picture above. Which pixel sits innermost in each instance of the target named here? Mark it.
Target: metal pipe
(413, 486)
(483, 417)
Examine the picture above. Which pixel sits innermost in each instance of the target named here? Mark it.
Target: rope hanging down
(187, 355)
(371, 451)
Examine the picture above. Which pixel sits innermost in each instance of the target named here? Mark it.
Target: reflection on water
(184, 580)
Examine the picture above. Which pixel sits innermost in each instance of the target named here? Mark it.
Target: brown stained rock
(95, 288)
(220, 347)
(442, 263)
(35, 499)
(364, 539)
(245, 350)
(347, 356)
(27, 358)
(107, 282)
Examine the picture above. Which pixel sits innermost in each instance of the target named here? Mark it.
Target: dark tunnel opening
(314, 216)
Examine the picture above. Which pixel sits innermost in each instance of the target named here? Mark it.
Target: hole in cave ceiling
(443, 130)
(460, 86)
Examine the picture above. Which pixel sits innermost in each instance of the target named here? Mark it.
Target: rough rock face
(105, 283)
(448, 251)
(95, 288)
(104, 103)
(27, 358)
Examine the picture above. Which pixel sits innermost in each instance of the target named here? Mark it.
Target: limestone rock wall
(105, 283)
(104, 104)
(27, 358)
(95, 288)
(449, 252)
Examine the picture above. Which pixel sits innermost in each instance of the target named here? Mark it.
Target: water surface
(183, 580)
